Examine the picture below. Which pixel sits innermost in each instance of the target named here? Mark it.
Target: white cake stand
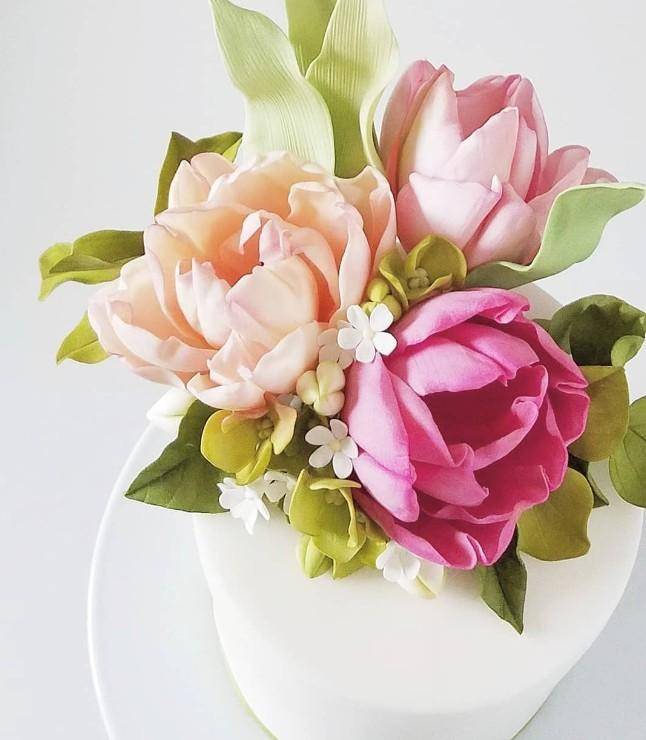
(360, 659)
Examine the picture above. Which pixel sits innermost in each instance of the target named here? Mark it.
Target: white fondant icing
(356, 659)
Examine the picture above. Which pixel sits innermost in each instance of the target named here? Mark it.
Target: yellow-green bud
(394, 306)
(378, 289)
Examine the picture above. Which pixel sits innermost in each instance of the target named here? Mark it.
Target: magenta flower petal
(394, 492)
(464, 427)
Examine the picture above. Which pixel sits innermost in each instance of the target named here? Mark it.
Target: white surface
(90, 91)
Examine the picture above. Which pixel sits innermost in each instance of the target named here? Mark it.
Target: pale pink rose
(473, 165)
(241, 274)
(464, 426)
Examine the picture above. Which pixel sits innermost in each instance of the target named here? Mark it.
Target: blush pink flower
(473, 165)
(241, 273)
(465, 426)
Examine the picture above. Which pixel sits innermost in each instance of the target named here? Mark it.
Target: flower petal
(321, 457)
(319, 435)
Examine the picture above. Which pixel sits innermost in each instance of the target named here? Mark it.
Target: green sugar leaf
(628, 462)
(503, 586)
(599, 330)
(357, 60)
(583, 467)
(558, 528)
(313, 562)
(94, 258)
(181, 148)
(82, 345)
(608, 416)
(181, 478)
(307, 21)
(283, 111)
(574, 227)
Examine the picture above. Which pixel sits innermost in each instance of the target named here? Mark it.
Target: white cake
(360, 659)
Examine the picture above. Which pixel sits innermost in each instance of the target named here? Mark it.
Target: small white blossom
(335, 446)
(279, 486)
(367, 335)
(330, 349)
(413, 574)
(244, 502)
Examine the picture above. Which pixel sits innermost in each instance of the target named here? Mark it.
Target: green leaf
(558, 528)
(583, 467)
(94, 258)
(180, 148)
(503, 586)
(82, 345)
(599, 330)
(313, 562)
(358, 59)
(628, 463)
(307, 22)
(573, 231)
(181, 478)
(608, 416)
(283, 111)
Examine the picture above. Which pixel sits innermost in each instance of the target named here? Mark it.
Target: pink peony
(241, 273)
(464, 426)
(473, 165)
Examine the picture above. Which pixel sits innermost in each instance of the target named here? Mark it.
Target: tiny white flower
(244, 502)
(334, 445)
(367, 335)
(279, 486)
(330, 349)
(413, 574)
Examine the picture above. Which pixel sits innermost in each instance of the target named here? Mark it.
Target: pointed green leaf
(82, 345)
(94, 258)
(628, 463)
(599, 330)
(181, 478)
(558, 528)
(358, 59)
(283, 111)
(503, 586)
(307, 22)
(583, 467)
(181, 148)
(608, 416)
(313, 562)
(573, 231)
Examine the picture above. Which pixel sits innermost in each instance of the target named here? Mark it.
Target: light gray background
(89, 91)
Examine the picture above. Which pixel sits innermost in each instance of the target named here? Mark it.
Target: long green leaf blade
(573, 231)
(357, 60)
(283, 111)
(307, 21)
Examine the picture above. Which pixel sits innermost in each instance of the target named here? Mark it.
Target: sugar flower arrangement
(334, 312)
